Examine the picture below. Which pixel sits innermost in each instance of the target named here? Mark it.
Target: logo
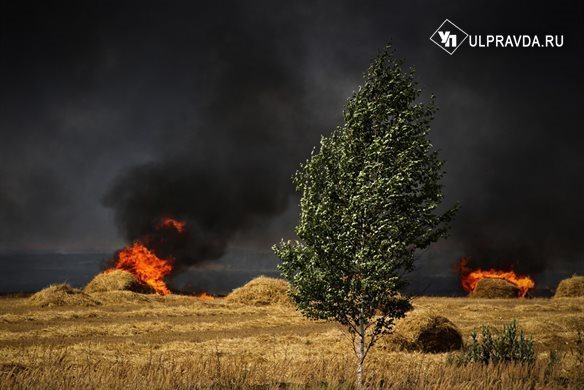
(449, 37)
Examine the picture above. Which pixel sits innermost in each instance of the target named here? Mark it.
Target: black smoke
(233, 165)
(134, 111)
(215, 199)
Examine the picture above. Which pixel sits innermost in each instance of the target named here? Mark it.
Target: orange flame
(179, 226)
(469, 278)
(148, 268)
(145, 266)
(205, 297)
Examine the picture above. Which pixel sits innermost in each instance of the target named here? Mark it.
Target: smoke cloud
(133, 111)
(215, 201)
(237, 147)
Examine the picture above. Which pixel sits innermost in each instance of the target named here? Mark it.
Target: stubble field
(145, 341)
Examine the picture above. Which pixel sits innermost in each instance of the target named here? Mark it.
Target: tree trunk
(361, 351)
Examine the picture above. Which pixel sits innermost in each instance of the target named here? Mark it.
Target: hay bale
(426, 332)
(122, 297)
(117, 280)
(571, 287)
(495, 288)
(261, 291)
(61, 295)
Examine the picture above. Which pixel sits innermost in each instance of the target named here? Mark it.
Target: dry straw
(62, 295)
(117, 280)
(571, 287)
(495, 288)
(261, 291)
(122, 297)
(425, 331)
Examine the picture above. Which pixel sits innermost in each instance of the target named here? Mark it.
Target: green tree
(369, 200)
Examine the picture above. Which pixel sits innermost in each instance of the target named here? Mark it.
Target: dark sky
(113, 113)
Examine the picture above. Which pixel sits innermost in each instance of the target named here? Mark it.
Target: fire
(140, 260)
(469, 278)
(145, 266)
(179, 226)
(205, 297)
(143, 263)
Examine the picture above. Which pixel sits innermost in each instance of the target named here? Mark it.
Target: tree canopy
(369, 200)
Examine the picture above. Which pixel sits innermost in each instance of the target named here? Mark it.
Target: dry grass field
(147, 341)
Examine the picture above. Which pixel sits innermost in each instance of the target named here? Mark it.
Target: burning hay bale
(492, 282)
(571, 287)
(495, 288)
(426, 332)
(117, 280)
(261, 291)
(62, 295)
